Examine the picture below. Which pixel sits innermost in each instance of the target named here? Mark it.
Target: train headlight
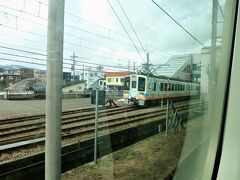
(125, 95)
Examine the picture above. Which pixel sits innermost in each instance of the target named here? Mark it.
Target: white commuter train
(143, 90)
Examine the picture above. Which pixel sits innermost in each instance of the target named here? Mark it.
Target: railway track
(12, 120)
(20, 131)
(82, 124)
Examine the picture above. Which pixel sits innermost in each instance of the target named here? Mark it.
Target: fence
(114, 94)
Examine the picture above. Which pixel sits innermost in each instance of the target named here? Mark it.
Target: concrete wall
(74, 88)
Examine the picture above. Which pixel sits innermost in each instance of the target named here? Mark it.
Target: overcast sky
(93, 31)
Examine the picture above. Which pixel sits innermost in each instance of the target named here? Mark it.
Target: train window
(161, 86)
(165, 86)
(134, 83)
(127, 83)
(154, 86)
(141, 84)
(182, 46)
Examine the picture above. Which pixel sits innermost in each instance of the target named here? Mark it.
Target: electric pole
(54, 89)
(212, 64)
(83, 72)
(74, 64)
(134, 67)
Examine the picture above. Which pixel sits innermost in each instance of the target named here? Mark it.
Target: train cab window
(141, 84)
(127, 83)
(134, 84)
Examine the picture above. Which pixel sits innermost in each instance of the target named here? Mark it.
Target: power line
(66, 25)
(22, 11)
(220, 9)
(100, 26)
(179, 25)
(19, 50)
(131, 26)
(65, 32)
(125, 30)
(74, 44)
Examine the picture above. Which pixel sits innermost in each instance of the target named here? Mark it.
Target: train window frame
(161, 86)
(134, 84)
(165, 86)
(143, 87)
(154, 86)
(125, 83)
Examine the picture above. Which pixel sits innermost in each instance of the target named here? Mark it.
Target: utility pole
(212, 72)
(134, 67)
(128, 65)
(83, 72)
(73, 65)
(54, 89)
(148, 68)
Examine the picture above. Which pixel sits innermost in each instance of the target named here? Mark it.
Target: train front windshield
(141, 84)
(127, 83)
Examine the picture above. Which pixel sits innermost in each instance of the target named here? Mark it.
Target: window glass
(142, 51)
(162, 86)
(141, 84)
(134, 83)
(127, 83)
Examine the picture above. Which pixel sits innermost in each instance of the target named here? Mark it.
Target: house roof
(122, 73)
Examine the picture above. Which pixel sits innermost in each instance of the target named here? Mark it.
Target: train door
(133, 87)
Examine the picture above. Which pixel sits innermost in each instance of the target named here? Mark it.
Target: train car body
(142, 90)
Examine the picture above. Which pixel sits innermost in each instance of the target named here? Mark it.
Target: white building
(91, 76)
(185, 67)
(74, 87)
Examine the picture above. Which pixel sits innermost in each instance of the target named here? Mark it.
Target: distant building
(185, 67)
(74, 87)
(12, 76)
(100, 83)
(41, 75)
(7, 79)
(115, 80)
(24, 73)
(91, 76)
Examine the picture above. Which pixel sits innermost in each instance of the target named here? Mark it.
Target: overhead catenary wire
(220, 9)
(69, 26)
(104, 65)
(69, 34)
(131, 26)
(180, 25)
(70, 43)
(125, 30)
(97, 25)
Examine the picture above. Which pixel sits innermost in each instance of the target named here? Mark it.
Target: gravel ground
(152, 158)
